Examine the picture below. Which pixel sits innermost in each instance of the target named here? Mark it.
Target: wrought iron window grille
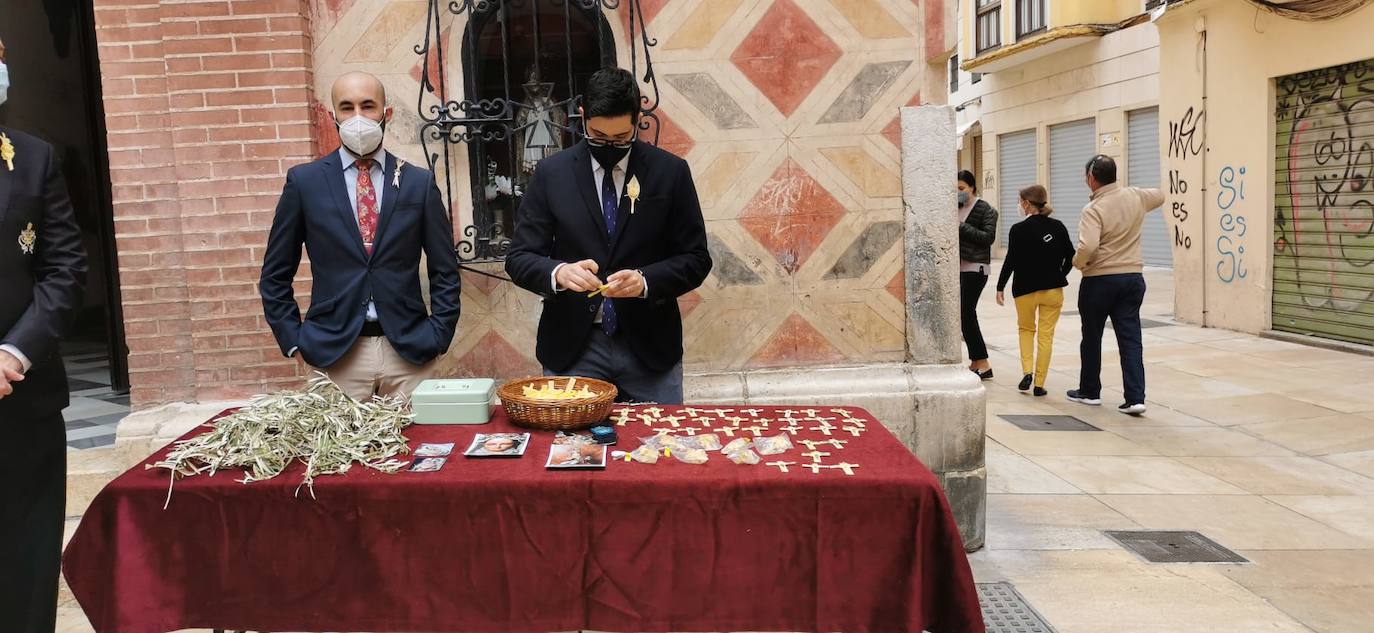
(540, 48)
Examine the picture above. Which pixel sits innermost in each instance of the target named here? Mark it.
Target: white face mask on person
(361, 135)
(4, 83)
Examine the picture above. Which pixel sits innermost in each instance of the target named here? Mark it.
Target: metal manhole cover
(1006, 611)
(1049, 423)
(1161, 546)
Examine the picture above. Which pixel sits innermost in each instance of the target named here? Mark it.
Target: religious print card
(434, 450)
(428, 464)
(498, 445)
(576, 451)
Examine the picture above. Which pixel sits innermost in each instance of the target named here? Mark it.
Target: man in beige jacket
(1113, 286)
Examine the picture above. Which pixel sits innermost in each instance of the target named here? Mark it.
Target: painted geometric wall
(786, 111)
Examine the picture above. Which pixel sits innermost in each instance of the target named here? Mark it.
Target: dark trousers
(33, 500)
(608, 358)
(1118, 297)
(970, 288)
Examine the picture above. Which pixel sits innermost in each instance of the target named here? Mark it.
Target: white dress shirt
(23, 360)
(599, 177)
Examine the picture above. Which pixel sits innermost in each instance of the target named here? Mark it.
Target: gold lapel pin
(7, 151)
(632, 190)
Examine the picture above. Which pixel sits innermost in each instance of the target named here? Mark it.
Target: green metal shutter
(1016, 166)
(1072, 145)
(1324, 203)
(1142, 170)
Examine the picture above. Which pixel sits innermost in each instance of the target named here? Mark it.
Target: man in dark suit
(617, 206)
(364, 216)
(42, 269)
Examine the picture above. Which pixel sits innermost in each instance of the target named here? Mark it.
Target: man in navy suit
(615, 206)
(42, 269)
(364, 216)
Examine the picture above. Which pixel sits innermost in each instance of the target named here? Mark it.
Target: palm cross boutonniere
(632, 191)
(396, 177)
(7, 151)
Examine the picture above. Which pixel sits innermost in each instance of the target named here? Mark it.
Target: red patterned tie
(367, 203)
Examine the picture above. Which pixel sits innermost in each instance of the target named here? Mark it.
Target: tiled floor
(1265, 447)
(95, 408)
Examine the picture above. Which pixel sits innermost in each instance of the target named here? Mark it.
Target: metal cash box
(454, 401)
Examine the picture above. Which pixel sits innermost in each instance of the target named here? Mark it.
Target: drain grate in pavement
(1147, 323)
(1006, 611)
(1049, 423)
(1160, 546)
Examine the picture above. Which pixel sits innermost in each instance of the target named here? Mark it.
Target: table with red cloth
(507, 545)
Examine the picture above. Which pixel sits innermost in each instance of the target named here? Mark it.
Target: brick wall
(207, 106)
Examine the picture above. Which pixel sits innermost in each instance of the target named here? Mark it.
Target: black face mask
(607, 156)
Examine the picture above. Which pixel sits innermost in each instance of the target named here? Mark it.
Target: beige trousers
(371, 366)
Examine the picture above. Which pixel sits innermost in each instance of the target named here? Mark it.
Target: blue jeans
(608, 358)
(1117, 297)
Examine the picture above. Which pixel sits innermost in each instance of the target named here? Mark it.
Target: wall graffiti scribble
(1324, 204)
(1184, 137)
(1231, 265)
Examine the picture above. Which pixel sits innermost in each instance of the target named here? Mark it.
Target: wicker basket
(557, 415)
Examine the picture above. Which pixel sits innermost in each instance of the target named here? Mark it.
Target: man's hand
(626, 284)
(578, 276)
(11, 371)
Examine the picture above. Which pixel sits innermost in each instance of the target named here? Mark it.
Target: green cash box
(454, 401)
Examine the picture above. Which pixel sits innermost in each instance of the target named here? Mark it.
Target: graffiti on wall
(1230, 248)
(1186, 140)
(1324, 199)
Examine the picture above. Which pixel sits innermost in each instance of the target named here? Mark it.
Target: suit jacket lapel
(623, 215)
(582, 166)
(333, 174)
(389, 196)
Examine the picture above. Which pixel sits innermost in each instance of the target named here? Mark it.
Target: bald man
(364, 216)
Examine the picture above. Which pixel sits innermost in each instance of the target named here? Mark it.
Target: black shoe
(1136, 409)
(1025, 383)
(1040, 392)
(1075, 396)
(982, 375)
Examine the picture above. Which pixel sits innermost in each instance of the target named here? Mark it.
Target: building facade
(1269, 146)
(1252, 120)
(1042, 86)
(785, 109)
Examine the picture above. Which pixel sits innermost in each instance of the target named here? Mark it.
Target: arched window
(525, 62)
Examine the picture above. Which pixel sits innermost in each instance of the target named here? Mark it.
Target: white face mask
(361, 135)
(4, 83)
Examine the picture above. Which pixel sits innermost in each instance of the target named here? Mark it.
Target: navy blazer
(560, 220)
(41, 291)
(315, 211)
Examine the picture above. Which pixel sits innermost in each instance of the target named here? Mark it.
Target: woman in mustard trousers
(1039, 258)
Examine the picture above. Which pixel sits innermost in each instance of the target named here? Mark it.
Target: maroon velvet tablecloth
(506, 545)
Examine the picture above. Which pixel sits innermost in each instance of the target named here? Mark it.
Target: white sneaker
(1132, 409)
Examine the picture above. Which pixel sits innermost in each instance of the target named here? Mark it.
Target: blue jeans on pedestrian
(1117, 297)
(608, 358)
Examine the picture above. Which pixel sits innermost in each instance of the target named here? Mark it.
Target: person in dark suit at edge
(365, 216)
(42, 271)
(616, 207)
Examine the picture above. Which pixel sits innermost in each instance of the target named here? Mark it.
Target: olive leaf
(320, 426)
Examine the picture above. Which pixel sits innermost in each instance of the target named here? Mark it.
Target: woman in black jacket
(977, 230)
(1040, 256)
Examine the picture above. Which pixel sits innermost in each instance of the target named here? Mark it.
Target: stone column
(950, 404)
